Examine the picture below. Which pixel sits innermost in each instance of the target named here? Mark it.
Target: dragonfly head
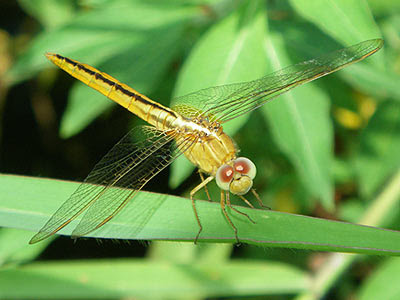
(237, 176)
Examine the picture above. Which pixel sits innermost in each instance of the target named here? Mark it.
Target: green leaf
(371, 76)
(189, 253)
(81, 37)
(50, 13)
(115, 279)
(347, 21)
(301, 126)
(373, 81)
(382, 283)
(230, 51)
(27, 203)
(378, 154)
(384, 7)
(13, 248)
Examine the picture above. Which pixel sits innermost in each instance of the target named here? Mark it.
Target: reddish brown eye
(245, 166)
(225, 173)
(224, 176)
(241, 167)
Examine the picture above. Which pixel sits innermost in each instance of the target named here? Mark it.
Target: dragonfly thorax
(198, 127)
(210, 147)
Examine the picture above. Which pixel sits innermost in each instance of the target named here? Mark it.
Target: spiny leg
(228, 202)
(259, 199)
(192, 192)
(227, 216)
(205, 187)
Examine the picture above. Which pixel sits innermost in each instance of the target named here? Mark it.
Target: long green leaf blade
(27, 203)
(136, 278)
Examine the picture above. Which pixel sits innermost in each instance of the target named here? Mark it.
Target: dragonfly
(192, 127)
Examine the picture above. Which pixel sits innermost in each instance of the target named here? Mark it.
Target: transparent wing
(115, 180)
(226, 102)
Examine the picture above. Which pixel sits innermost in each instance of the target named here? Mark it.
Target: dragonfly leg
(205, 187)
(246, 201)
(226, 214)
(259, 199)
(192, 192)
(228, 201)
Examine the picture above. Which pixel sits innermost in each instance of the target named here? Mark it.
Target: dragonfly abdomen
(152, 112)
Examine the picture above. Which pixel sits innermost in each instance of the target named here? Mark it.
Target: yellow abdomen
(152, 112)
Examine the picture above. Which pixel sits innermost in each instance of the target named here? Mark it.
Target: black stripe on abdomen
(111, 83)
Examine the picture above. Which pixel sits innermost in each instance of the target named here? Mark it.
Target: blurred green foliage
(328, 149)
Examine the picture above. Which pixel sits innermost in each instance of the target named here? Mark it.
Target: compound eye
(224, 177)
(245, 166)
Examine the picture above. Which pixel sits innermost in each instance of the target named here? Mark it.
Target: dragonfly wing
(115, 180)
(227, 102)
